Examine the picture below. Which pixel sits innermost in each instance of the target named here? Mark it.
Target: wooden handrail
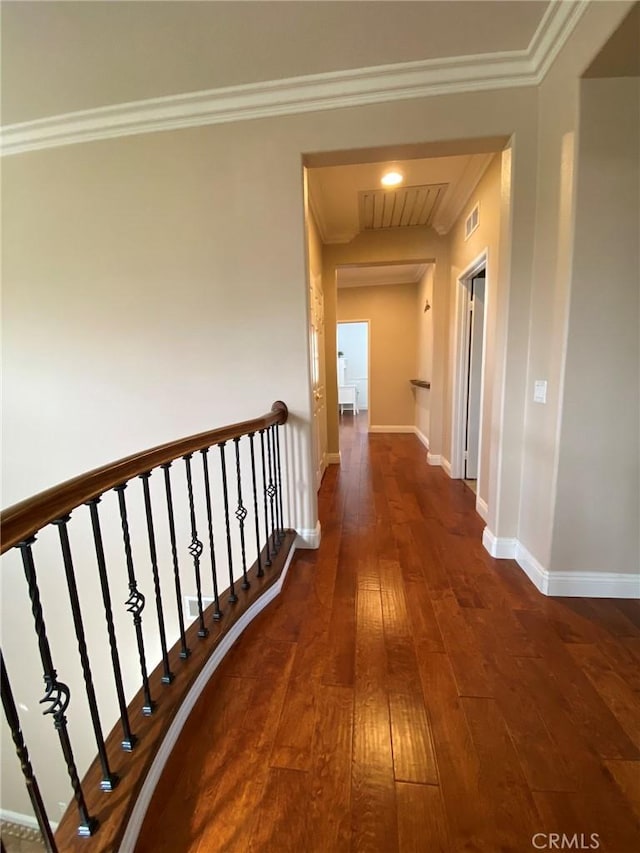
(23, 519)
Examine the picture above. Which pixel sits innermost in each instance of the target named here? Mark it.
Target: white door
(474, 378)
(319, 413)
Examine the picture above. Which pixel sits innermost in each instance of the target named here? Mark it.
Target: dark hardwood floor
(409, 693)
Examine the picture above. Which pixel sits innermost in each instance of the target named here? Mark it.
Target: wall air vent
(191, 608)
(399, 208)
(472, 221)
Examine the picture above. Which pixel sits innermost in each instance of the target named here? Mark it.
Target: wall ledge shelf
(420, 383)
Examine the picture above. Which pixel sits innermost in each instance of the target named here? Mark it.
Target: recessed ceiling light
(391, 179)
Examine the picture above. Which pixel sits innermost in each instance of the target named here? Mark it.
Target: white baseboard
(577, 584)
(334, 458)
(162, 755)
(392, 428)
(421, 437)
(309, 537)
(534, 570)
(482, 508)
(446, 466)
(434, 458)
(565, 584)
(27, 820)
(501, 549)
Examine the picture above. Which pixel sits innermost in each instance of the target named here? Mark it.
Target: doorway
(353, 367)
(471, 301)
(475, 328)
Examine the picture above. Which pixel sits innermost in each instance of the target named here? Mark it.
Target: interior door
(474, 380)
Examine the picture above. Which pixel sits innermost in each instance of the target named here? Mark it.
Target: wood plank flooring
(408, 693)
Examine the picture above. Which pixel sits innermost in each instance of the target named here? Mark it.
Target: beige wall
(462, 253)
(552, 281)
(393, 347)
(598, 487)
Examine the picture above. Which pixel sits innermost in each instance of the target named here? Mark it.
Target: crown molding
(331, 90)
(377, 275)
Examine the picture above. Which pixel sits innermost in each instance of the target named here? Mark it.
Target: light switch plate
(540, 391)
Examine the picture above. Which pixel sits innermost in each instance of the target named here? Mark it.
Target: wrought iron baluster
(241, 514)
(282, 529)
(167, 676)
(195, 548)
(33, 789)
(129, 740)
(57, 694)
(217, 613)
(271, 491)
(225, 492)
(278, 533)
(267, 561)
(109, 779)
(135, 602)
(185, 651)
(260, 570)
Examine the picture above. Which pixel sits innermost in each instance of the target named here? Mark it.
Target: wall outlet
(540, 391)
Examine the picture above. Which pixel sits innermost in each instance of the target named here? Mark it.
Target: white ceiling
(366, 276)
(59, 57)
(336, 199)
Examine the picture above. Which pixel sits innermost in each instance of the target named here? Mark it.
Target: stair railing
(243, 508)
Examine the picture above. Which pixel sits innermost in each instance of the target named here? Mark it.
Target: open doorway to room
(353, 367)
(471, 313)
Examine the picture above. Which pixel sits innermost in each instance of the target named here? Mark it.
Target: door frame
(368, 322)
(460, 364)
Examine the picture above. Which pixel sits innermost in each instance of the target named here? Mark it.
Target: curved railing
(232, 494)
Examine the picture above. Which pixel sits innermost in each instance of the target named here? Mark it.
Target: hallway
(408, 692)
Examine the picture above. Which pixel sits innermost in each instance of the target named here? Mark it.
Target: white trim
(446, 466)
(500, 548)
(392, 428)
(577, 584)
(334, 458)
(553, 31)
(534, 570)
(309, 537)
(482, 508)
(460, 358)
(434, 459)
(421, 437)
(566, 584)
(170, 739)
(593, 585)
(27, 820)
(293, 95)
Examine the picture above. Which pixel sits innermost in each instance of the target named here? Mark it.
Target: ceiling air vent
(399, 208)
(472, 221)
